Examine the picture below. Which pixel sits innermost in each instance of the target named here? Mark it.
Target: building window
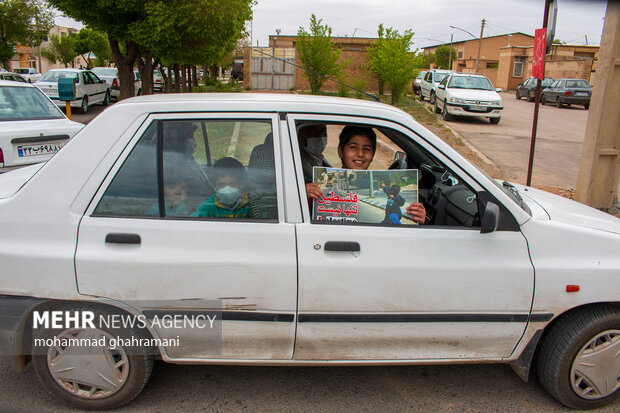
(517, 70)
(460, 55)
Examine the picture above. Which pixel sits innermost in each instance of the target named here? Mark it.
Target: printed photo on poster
(365, 196)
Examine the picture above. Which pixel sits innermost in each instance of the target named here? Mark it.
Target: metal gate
(267, 72)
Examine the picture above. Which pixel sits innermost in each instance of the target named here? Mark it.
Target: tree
(112, 17)
(391, 60)
(317, 53)
(375, 59)
(89, 40)
(60, 49)
(22, 21)
(442, 56)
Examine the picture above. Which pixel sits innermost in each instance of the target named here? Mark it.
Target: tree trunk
(124, 63)
(177, 79)
(167, 79)
(184, 78)
(145, 67)
(195, 76)
(190, 80)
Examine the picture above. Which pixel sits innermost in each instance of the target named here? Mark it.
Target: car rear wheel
(558, 102)
(96, 376)
(106, 99)
(84, 105)
(530, 97)
(432, 98)
(421, 96)
(586, 105)
(579, 358)
(494, 121)
(543, 100)
(517, 95)
(446, 115)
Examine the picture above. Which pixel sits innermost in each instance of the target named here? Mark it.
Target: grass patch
(218, 87)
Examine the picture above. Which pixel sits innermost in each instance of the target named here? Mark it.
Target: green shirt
(212, 208)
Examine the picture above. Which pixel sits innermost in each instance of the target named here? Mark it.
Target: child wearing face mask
(229, 199)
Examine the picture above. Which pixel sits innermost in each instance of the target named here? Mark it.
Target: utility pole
(450, 64)
(479, 45)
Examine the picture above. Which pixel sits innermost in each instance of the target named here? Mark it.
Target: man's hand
(417, 212)
(313, 190)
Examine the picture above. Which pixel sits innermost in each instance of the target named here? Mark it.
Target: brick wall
(580, 69)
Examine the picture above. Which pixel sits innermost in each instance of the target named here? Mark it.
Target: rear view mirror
(441, 87)
(490, 218)
(498, 89)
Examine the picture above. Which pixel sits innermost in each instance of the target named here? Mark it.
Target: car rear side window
(197, 169)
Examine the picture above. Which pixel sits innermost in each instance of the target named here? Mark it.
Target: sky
(429, 19)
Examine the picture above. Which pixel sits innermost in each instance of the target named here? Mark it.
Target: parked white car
(463, 94)
(15, 77)
(29, 73)
(89, 89)
(110, 75)
(191, 209)
(428, 84)
(32, 128)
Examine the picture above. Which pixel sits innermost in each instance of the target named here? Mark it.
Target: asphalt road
(559, 141)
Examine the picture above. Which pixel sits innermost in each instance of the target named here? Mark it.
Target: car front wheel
(494, 121)
(446, 115)
(437, 110)
(558, 102)
(92, 376)
(84, 105)
(579, 358)
(517, 95)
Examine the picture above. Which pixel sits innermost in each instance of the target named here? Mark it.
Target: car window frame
(418, 139)
(119, 159)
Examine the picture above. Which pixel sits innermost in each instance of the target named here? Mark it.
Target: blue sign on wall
(66, 89)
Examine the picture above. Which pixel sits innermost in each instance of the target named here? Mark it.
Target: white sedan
(177, 227)
(110, 75)
(461, 94)
(32, 128)
(89, 89)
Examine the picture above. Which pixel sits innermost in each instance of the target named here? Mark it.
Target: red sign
(538, 65)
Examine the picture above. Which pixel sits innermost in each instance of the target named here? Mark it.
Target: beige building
(27, 56)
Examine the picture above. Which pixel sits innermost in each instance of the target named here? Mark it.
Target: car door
(96, 88)
(143, 240)
(442, 92)
(409, 292)
(426, 84)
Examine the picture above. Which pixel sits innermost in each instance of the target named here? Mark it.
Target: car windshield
(546, 82)
(577, 83)
(26, 103)
(53, 76)
(440, 76)
(21, 71)
(105, 71)
(470, 82)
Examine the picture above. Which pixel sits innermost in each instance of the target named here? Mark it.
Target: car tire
(437, 110)
(577, 356)
(432, 98)
(446, 116)
(84, 105)
(494, 121)
(121, 376)
(558, 102)
(543, 100)
(421, 96)
(586, 106)
(517, 95)
(530, 98)
(106, 99)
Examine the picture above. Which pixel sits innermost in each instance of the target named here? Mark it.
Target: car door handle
(342, 246)
(120, 238)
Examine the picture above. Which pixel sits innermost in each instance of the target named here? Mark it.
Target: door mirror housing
(490, 218)
(441, 87)
(498, 89)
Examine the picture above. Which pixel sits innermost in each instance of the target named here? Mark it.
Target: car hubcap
(596, 369)
(90, 372)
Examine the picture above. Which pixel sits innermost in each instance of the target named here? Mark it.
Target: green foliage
(200, 32)
(60, 49)
(360, 83)
(22, 21)
(317, 53)
(423, 61)
(442, 56)
(231, 87)
(89, 40)
(343, 89)
(390, 60)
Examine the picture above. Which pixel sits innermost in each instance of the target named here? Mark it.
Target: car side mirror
(101, 81)
(498, 89)
(490, 218)
(441, 87)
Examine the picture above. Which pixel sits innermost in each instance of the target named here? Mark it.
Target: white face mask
(316, 146)
(228, 195)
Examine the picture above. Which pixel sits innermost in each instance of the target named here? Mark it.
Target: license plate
(50, 92)
(478, 108)
(581, 93)
(38, 149)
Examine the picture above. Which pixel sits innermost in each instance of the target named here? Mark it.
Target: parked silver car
(110, 75)
(568, 92)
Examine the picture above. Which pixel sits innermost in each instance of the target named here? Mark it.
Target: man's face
(228, 180)
(357, 153)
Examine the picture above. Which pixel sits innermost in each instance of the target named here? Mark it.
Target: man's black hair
(350, 131)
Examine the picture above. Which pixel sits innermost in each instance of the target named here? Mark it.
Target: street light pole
(478, 38)
(450, 64)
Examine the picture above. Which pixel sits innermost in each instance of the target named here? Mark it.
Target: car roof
(69, 69)
(467, 75)
(14, 83)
